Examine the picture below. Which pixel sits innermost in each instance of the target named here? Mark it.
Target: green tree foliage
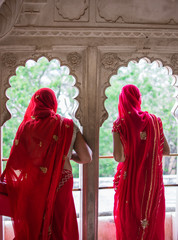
(157, 98)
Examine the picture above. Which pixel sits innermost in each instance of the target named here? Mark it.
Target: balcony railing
(109, 213)
(111, 157)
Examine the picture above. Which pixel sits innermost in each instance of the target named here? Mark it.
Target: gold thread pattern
(143, 135)
(67, 126)
(152, 175)
(125, 175)
(44, 169)
(37, 96)
(32, 117)
(143, 195)
(55, 137)
(144, 223)
(40, 144)
(149, 199)
(49, 230)
(16, 142)
(154, 160)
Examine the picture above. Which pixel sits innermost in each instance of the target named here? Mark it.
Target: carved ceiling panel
(88, 13)
(67, 10)
(137, 11)
(31, 12)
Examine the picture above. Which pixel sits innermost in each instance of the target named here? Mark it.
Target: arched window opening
(156, 85)
(28, 79)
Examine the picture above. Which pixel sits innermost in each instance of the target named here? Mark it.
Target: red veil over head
(35, 164)
(139, 199)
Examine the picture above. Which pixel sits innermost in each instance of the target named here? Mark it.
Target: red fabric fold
(139, 204)
(65, 225)
(35, 166)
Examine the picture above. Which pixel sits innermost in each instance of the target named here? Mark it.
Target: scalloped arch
(124, 63)
(35, 57)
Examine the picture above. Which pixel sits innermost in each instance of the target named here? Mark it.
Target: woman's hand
(83, 152)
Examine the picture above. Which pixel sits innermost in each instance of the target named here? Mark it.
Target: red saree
(64, 225)
(139, 204)
(35, 164)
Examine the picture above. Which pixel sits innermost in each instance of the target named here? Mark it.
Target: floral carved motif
(71, 10)
(74, 59)
(110, 61)
(9, 60)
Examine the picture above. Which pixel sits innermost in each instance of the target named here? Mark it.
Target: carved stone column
(91, 132)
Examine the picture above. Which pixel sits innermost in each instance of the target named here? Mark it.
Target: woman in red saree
(139, 143)
(38, 172)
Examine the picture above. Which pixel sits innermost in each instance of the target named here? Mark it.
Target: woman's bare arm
(166, 149)
(118, 150)
(83, 153)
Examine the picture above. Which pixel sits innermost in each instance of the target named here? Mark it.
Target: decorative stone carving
(173, 63)
(4, 113)
(36, 56)
(110, 66)
(9, 60)
(120, 33)
(137, 11)
(110, 61)
(9, 12)
(174, 60)
(74, 59)
(110, 10)
(71, 10)
(31, 12)
(172, 22)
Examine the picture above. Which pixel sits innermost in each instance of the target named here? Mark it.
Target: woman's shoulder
(65, 120)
